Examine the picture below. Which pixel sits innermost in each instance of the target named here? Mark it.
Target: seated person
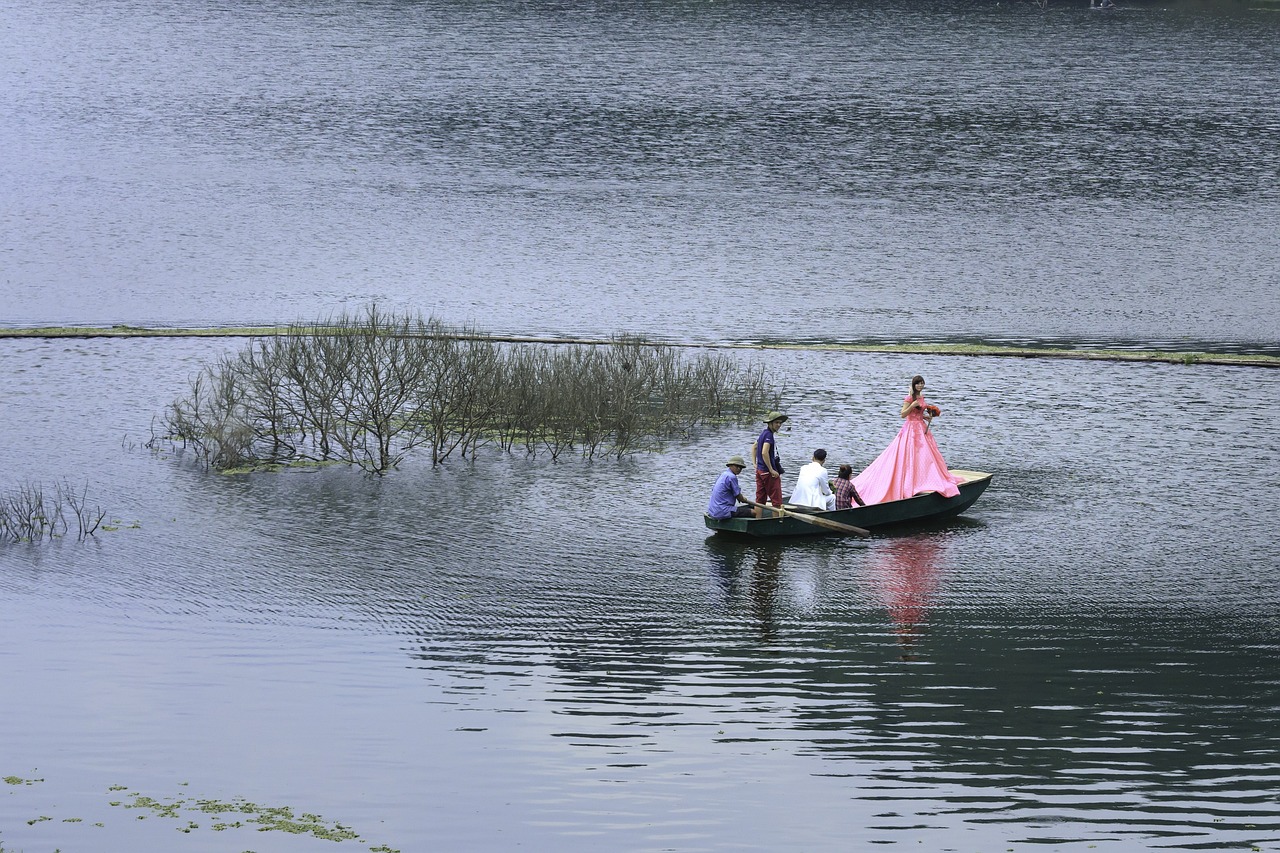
(846, 494)
(727, 493)
(812, 488)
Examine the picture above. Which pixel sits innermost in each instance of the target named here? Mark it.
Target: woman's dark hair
(845, 472)
(914, 379)
(820, 454)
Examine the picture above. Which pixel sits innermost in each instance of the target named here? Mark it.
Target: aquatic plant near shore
(237, 817)
(369, 389)
(30, 514)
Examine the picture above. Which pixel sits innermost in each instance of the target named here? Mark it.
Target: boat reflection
(750, 577)
(902, 575)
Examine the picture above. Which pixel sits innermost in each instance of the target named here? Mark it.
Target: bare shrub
(368, 389)
(30, 514)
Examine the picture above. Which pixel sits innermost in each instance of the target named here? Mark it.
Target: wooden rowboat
(929, 506)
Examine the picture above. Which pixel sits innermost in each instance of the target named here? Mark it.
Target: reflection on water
(1089, 655)
(753, 578)
(765, 587)
(905, 573)
(1128, 722)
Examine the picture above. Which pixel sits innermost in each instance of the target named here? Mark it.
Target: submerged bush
(30, 514)
(369, 389)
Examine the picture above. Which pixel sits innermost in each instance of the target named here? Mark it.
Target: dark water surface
(518, 653)
(899, 170)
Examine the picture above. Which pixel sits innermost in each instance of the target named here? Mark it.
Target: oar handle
(820, 522)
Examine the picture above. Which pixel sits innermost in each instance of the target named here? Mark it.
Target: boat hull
(929, 506)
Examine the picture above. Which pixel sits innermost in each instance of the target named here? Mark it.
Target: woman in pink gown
(911, 464)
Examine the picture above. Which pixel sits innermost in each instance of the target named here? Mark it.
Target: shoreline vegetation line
(969, 349)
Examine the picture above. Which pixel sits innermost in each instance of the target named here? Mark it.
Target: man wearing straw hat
(726, 494)
(768, 469)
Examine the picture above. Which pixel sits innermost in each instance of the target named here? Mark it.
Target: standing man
(768, 469)
(726, 494)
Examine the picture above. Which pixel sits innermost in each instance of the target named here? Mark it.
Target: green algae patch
(222, 815)
(191, 814)
(18, 780)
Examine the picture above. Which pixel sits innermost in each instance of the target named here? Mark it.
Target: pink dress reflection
(905, 572)
(911, 464)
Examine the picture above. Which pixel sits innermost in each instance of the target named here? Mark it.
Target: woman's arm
(910, 404)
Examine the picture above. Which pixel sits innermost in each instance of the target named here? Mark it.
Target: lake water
(890, 170)
(520, 654)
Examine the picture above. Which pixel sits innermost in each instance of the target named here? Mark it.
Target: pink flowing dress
(911, 464)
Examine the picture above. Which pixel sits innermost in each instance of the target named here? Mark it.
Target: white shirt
(812, 488)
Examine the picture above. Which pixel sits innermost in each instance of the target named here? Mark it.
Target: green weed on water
(192, 814)
(243, 814)
(18, 780)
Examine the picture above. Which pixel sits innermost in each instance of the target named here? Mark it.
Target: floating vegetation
(18, 780)
(224, 815)
(29, 513)
(369, 389)
(190, 814)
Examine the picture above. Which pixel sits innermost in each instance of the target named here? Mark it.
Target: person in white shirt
(812, 486)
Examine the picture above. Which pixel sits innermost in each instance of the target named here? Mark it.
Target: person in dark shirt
(768, 468)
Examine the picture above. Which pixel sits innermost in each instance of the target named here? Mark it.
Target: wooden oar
(820, 522)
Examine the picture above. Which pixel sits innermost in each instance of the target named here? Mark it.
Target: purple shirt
(766, 435)
(724, 495)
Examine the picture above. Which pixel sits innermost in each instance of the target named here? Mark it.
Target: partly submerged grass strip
(123, 331)
(967, 349)
(1081, 354)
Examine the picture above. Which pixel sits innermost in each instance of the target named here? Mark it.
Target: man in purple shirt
(726, 494)
(768, 470)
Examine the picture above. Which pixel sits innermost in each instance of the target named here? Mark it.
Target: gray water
(873, 171)
(521, 654)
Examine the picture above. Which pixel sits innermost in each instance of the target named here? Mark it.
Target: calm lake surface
(557, 656)
(520, 654)
(890, 170)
